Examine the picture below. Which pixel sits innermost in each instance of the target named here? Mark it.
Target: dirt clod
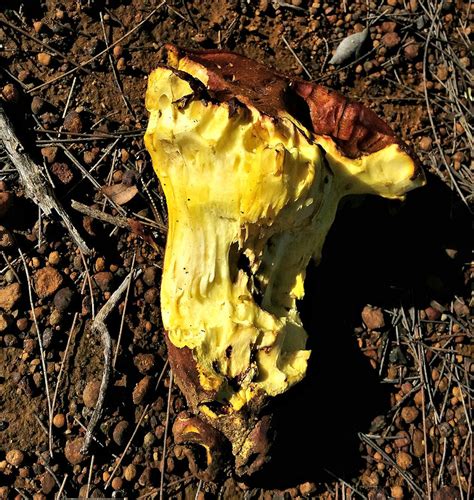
(47, 281)
(141, 390)
(72, 451)
(9, 296)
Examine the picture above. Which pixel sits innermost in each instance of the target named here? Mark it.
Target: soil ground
(385, 411)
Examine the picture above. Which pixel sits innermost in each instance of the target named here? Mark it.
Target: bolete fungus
(253, 165)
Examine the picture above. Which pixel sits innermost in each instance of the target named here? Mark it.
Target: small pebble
(15, 457)
(63, 299)
(373, 317)
(37, 105)
(44, 58)
(10, 93)
(54, 258)
(62, 172)
(130, 472)
(120, 433)
(47, 483)
(391, 40)
(396, 492)
(418, 443)
(49, 153)
(425, 143)
(91, 393)
(73, 122)
(117, 483)
(6, 238)
(141, 389)
(72, 451)
(59, 420)
(145, 362)
(409, 414)
(411, 50)
(104, 280)
(118, 51)
(38, 26)
(404, 460)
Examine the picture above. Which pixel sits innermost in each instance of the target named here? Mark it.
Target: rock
(130, 472)
(15, 457)
(47, 281)
(54, 258)
(62, 172)
(6, 200)
(404, 460)
(118, 51)
(91, 156)
(49, 153)
(411, 50)
(460, 308)
(100, 264)
(409, 414)
(59, 420)
(44, 58)
(145, 362)
(391, 40)
(148, 440)
(151, 295)
(104, 280)
(91, 393)
(73, 122)
(10, 93)
(47, 483)
(141, 389)
(55, 318)
(425, 143)
(38, 26)
(63, 299)
(9, 296)
(373, 318)
(306, 489)
(402, 439)
(150, 275)
(37, 105)
(120, 433)
(418, 443)
(72, 451)
(5, 322)
(388, 27)
(396, 492)
(117, 483)
(6, 238)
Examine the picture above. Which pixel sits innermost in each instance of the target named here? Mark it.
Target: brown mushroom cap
(354, 128)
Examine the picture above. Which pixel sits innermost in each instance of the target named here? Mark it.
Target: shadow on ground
(378, 252)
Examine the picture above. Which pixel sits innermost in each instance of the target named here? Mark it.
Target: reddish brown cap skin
(354, 128)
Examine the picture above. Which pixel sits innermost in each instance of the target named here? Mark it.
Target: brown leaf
(119, 193)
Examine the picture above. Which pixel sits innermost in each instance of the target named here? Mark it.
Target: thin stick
(40, 344)
(142, 416)
(89, 477)
(114, 70)
(122, 319)
(60, 492)
(61, 369)
(165, 437)
(34, 183)
(298, 60)
(99, 326)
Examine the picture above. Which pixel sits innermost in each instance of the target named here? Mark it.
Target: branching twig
(34, 183)
(100, 327)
